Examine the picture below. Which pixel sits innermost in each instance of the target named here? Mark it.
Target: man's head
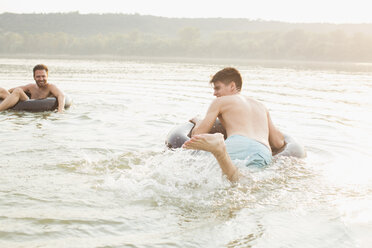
(41, 75)
(227, 81)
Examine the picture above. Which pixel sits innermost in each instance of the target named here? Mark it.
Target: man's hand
(195, 120)
(57, 110)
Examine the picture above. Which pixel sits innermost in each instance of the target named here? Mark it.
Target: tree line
(292, 45)
(192, 41)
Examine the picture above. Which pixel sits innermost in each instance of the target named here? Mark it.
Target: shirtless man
(251, 135)
(42, 89)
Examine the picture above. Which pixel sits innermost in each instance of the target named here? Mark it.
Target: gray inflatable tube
(47, 104)
(181, 133)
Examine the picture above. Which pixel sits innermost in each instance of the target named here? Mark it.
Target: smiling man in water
(42, 89)
(251, 135)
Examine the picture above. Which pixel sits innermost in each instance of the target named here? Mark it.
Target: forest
(151, 36)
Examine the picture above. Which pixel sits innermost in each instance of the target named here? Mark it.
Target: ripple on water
(99, 175)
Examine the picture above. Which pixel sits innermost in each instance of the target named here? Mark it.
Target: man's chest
(37, 93)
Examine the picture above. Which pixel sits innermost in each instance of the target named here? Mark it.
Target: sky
(320, 11)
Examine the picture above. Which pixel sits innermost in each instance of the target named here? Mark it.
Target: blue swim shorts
(250, 151)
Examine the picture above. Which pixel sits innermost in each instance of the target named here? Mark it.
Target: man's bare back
(245, 116)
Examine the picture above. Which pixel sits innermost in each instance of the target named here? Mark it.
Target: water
(99, 174)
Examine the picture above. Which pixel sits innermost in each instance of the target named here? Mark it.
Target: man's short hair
(227, 75)
(40, 67)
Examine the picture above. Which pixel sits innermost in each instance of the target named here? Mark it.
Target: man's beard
(41, 83)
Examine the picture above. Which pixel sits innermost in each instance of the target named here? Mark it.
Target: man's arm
(276, 138)
(25, 88)
(57, 93)
(205, 125)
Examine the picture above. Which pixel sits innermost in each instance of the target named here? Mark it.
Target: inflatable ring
(181, 133)
(33, 105)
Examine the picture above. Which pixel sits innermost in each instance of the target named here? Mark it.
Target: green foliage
(135, 35)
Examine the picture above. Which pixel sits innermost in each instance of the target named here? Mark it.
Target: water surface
(99, 175)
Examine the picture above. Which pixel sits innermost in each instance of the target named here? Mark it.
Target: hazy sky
(335, 11)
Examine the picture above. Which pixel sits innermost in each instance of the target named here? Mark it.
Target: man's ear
(232, 85)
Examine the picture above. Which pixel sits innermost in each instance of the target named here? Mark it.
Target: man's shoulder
(239, 99)
(27, 87)
(222, 100)
(233, 98)
(52, 86)
(54, 90)
(228, 97)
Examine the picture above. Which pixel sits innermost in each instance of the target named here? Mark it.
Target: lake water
(99, 175)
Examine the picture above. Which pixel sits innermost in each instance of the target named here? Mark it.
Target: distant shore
(278, 63)
(127, 36)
